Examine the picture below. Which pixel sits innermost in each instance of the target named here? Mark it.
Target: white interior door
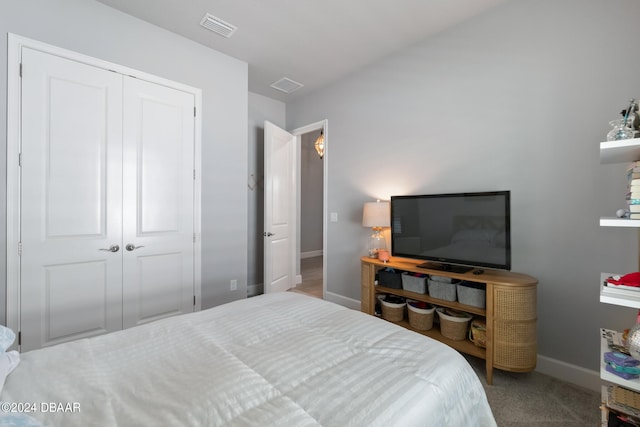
(279, 208)
(71, 207)
(158, 194)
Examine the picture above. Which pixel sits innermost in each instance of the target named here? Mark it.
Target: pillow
(8, 360)
(7, 337)
(17, 419)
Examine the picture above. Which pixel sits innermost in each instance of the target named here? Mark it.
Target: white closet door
(71, 287)
(158, 194)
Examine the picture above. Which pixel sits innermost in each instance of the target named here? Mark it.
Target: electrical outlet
(234, 285)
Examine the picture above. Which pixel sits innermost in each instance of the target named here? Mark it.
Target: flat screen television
(453, 232)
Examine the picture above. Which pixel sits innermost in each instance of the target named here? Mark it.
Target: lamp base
(376, 244)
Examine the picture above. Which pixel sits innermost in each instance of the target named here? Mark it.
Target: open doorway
(312, 210)
(311, 215)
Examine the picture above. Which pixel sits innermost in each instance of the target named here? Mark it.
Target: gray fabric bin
(389, 279)
(442, 290)
(413, 283)
(471, 293)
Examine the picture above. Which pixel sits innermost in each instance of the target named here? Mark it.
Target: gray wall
(94, 29)
(517, 98)
(311, 172)
(261, 108)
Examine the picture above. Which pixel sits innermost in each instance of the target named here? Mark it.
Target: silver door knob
(112, 248)
(131, 247)
(268, 234)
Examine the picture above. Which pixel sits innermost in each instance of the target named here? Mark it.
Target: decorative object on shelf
(633, 339)
(628, 126)
(319, 144)
(376, 215)
(621, 130)
(633, 117)
(383, 255)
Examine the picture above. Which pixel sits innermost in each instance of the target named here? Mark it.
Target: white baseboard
(570, 373)
(351, 303)
(311, 254)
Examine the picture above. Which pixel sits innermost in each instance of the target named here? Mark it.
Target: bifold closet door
(71, 202)
(158, 195)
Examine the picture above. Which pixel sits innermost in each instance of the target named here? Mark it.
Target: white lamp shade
(376, 214)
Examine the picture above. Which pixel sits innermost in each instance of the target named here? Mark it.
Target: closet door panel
(71, 177)
(158, 196)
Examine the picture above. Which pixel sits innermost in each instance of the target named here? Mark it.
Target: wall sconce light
(319, 145)
(376, 215)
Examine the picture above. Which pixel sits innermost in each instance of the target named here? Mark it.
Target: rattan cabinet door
(514, 328)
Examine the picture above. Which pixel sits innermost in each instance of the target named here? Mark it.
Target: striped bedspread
(281, 359)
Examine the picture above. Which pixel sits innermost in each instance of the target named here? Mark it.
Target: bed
(281, 359)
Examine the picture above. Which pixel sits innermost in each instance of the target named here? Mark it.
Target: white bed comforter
(274, 360)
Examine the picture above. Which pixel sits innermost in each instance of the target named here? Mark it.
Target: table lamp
(376, 215)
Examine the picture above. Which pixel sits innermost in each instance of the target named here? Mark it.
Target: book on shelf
(633, 188)
(615, 340)
(609, 286)
(621, 290)
(633, 208)
(634, 181)
(631, 174)
(633, 201)
(634, 216)
(632, 195)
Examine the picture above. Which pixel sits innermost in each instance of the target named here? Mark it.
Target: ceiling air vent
(217, 25)
(286, 85)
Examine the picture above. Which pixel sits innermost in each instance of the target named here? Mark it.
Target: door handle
(131, 247)
(268, 234)
(112, 248)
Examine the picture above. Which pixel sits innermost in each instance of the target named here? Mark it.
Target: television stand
(510, 314)
(445, 267)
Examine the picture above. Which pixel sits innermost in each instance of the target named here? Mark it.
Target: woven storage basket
(391, 311)
(478, 333)
(420, 318)
(626, 397)
(453, 327)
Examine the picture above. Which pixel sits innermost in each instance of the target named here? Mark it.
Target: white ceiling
(313, 42)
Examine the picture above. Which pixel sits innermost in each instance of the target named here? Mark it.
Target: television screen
(461, 229)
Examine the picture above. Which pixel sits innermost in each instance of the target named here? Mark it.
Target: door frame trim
(14, 101)
(298, 132)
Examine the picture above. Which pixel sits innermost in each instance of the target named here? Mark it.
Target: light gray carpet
(534, 399)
